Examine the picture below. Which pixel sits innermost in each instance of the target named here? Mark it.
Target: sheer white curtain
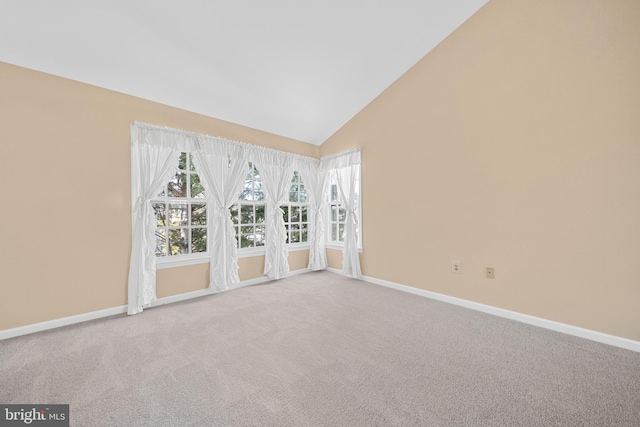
(315, 182)
(346, 180)
(222, 175)
(221, 164)
(276, 182)
(153, 162)
(346, 169)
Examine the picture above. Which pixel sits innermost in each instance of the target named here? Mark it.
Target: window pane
(334, 213)
(177, 186)
(293, 193)
(296, 177)
(161, 243)
(334, 234)
(198, 214)
(341, 232)
(178, 215)
(303, 212)
(285, 215)
(342, 214)
(256, 173)
(236, 230)
(303, 195)
(247, 190)
(191, 166)
(295, 233)
(258, 196)
(260, 229)
(179, 241)
(182, 161)
(197, 190)
(259, 239)
(234, 213)
(246, 241)
(198, 240)
(247, 230)
(295, 213)
(260, 214)
(246, 214)
(304, 233)
(161, 214)
(334, 192)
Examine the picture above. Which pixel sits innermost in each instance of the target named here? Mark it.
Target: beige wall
(515, 144)
(66, 168)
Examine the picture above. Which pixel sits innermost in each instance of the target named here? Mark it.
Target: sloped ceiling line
(296, 69)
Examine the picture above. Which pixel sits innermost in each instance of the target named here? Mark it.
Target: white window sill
(181, 261)
(177, 261)
(254, 252)
(298, 247)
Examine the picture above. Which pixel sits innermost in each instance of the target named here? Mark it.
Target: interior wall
(66, 164)
(514, 144)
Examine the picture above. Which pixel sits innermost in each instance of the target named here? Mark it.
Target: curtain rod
(181, 132)
(342, 153)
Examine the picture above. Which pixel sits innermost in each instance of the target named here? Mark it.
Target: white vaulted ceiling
(299, 69)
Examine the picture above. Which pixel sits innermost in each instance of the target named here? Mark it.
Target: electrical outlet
(489, 273)
(456, 267)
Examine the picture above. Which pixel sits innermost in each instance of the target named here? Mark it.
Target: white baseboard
(520, 317)
(84, 317)
(65, 321)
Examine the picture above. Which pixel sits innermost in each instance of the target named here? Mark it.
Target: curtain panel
(222, 165)
(345, 168)
(316, 184)
(276, 183)
(222, 176)
(153, 159)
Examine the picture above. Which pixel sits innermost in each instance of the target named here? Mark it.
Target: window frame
(166, 260)
(289, 223)
(295, 197)
(329, 202)
(251, 178)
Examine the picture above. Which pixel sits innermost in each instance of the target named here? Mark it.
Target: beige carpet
(320, 350)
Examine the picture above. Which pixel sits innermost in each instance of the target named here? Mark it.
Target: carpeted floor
(320, 350)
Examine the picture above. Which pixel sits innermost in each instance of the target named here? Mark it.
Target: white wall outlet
(456, 267)
(489, 273)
